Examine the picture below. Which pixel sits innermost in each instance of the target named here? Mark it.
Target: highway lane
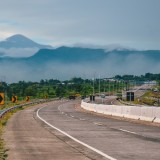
(141, 90)
(118, 139)
(110, 100)
(28, 139)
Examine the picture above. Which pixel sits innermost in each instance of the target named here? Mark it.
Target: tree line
(55, 88)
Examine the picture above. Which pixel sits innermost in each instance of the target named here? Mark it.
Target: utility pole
(93, 86)
(104, 87)
(109, 87)
(99, 86)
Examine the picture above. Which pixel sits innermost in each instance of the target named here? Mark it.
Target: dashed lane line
(82, 119)
(123, 130)
(76, 140)
(100, 124)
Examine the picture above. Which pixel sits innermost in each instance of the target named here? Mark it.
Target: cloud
(18, 52)
(113, 65)
(129, 23)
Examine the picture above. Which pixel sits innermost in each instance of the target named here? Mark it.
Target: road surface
(96, 137)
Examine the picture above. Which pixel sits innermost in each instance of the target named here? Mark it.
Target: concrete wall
(145, 113)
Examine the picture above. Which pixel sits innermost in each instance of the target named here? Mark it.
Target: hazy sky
(132, 23)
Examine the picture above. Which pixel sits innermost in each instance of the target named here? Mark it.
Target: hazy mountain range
(20, 46)
(66, 62)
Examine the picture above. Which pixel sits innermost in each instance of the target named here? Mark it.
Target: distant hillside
(86, 55)
(68, 62)
(69, 55)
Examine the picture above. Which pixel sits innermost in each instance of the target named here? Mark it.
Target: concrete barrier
(156, 113)
(145, 113)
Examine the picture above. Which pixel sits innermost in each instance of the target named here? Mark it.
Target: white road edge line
(82, 143)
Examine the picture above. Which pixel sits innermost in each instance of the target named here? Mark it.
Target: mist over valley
(68, 62)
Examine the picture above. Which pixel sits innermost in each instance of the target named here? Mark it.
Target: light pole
(109, 87)
(99, 86)
(93, 86)
(93, 90)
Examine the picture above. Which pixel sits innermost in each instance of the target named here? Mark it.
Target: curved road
(90, 136)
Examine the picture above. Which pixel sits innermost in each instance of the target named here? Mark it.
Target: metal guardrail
(4, 111)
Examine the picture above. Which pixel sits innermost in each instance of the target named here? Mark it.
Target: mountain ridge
(20, 41)
(68, 62)
(20, 46)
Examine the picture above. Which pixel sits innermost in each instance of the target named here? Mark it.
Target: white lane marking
(123, 130)
(78, 141)
(99, 124)
(59, 108)
(81, 119)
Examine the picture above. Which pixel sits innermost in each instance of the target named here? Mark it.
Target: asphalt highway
(61, 130)
(109, 100)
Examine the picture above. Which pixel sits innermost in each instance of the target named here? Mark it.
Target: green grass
(148, 98)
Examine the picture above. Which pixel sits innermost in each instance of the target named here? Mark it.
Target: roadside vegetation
(151, 97)
(56, 88)
(53, 88)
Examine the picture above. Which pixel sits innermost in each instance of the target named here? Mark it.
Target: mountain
(68, 55)
(75, 55)
(19, 46)
(67, 62)
(110, 47)
(20, 41)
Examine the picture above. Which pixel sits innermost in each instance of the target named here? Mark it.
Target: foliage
(146, 77)
(55, 88)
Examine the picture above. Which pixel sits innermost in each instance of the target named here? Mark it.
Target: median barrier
(147, 114)
(106, 110)
(135, 112)
(100, 108)
(157, 115)
(144, 113)
(115, 110)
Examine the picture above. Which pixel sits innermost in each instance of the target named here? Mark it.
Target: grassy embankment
(149, 98)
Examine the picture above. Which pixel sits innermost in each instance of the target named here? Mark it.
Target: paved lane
(118, 139)
(29, 139)
(109, 100)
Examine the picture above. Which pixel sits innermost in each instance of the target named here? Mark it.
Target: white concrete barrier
(156, 113)
(145, 113)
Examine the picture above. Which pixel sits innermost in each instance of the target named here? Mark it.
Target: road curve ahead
(27, 138)
(62, 131)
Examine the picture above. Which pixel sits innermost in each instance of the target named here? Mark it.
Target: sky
(130, 23)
